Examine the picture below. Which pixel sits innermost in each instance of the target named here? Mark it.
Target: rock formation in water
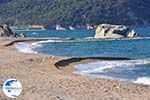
(111, 31)
(6, 31)
(132, 34)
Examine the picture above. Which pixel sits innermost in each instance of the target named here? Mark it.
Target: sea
(136, 70)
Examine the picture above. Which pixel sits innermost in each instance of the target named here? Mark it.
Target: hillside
(4, 1)
(75, 12)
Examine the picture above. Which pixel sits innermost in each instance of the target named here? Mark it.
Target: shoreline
(41, 79)
(55, 39)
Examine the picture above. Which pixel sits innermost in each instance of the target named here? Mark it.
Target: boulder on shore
(111, 31)
(6, 31)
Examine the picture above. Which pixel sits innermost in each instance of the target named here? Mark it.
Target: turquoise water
(61, 34)
(137, 71)
(74, 33)
(118, 48)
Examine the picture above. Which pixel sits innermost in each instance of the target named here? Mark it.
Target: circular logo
(12, 88)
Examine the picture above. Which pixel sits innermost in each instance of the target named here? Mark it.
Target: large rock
(111, 31)
(6, 31)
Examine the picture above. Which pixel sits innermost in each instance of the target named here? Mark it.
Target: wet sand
(44, 78)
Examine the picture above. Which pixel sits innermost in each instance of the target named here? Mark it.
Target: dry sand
(41, 80)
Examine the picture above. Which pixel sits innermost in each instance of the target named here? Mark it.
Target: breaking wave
(27, 48)
(143, 80)
(30, 47)
(132, 70)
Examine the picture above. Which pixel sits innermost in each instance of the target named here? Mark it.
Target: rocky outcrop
(6, 31)
(132, 34)
(111, 31)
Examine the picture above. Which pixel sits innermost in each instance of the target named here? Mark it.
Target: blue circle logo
(12, 88)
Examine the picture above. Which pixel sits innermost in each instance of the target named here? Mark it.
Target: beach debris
(111, 31)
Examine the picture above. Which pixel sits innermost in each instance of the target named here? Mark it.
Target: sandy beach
(42, 79)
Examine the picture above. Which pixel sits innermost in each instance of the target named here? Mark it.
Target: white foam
(114, 70)
(25, 48)
(34, 33)
(36, 44)
(28, 47)
(41, 42)
(102, 66)
(143, 80)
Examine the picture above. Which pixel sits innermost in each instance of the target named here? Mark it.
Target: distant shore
(43, 79)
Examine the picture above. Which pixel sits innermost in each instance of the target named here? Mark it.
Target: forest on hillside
(74, 12)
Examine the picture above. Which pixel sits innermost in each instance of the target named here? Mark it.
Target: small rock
(132, 34)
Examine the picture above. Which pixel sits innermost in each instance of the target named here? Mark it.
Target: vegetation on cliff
(74, 12)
